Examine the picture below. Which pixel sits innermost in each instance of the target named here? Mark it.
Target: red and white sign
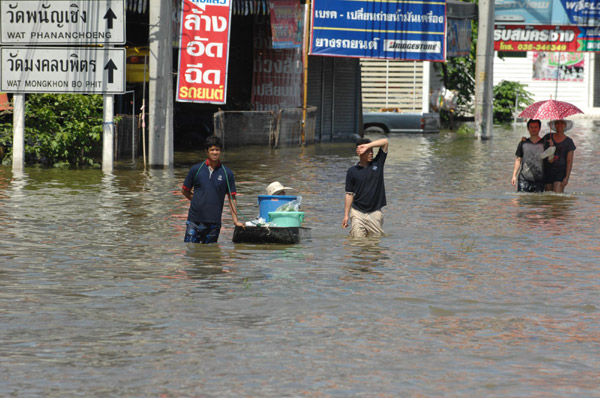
(286, 23)
(537, 38)
(204, 52)
(277, 77)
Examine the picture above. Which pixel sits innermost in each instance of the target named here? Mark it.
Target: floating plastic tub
(268, 203)
(286, 218)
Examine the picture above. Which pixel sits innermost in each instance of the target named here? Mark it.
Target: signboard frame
(62, 22)
(546, 38)
(204, 52)
(377, 29)
(62, 60)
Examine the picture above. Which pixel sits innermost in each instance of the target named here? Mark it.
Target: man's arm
(380, 143)
(513, 180)
(187, 193)
(233, 208)
(347, 205)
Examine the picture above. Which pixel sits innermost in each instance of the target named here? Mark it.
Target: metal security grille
(392, 84)
(137, 6)
(346, 71)
(333, 89)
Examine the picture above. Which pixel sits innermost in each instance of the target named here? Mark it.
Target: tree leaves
(60, 129)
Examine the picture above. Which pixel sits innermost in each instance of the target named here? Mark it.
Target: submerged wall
(267, 128)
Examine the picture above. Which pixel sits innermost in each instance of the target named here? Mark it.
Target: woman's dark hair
(534, 121)
(213, 140)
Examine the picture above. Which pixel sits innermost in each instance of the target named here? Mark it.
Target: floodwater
(475, 291)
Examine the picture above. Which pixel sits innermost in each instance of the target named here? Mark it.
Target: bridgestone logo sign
(412, 46)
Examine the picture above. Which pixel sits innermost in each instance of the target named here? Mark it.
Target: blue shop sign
(547, 12)
(407, 30)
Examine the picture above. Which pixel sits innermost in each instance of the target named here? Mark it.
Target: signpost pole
(160, 135)
(18, 162)
(108, 134)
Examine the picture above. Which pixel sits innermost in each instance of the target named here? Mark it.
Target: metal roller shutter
(345, 95)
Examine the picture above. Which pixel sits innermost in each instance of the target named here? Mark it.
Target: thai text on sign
(547, 38)
(277, 75)
(204, 52)
(394, 29)
(73, 22)
(580, 13)
(287, 23)
(62, 70)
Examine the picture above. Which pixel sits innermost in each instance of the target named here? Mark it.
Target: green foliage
(506, 95)
(458, 73)
(465, 130)
(60, 129)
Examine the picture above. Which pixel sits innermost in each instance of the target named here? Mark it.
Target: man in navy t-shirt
(205, 186)
(365, 190)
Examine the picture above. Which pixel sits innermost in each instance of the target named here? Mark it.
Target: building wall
(393, 84)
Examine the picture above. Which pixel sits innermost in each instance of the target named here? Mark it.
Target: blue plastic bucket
(269, 203)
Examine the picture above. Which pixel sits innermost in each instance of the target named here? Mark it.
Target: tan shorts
(365, 224)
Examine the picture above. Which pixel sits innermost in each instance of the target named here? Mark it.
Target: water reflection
(204, 261)
(365, 255)
(547, 209)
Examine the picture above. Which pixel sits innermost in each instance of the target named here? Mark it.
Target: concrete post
(160, 112)
(18, 152)
(108, 134)
(484, 72)
(426, 86)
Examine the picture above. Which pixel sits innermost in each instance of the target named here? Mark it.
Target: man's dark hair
(213, 140)
(534, 121)
(362, 141)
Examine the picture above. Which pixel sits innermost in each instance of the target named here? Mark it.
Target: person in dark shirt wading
(557, 172)
(205, 186)
(528, 171)
(365, 190)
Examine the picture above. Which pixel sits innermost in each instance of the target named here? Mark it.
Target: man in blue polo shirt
(365, 190)
(205, 186)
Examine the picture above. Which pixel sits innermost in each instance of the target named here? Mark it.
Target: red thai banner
(204, 51)
(277, 75)
(287, 23)
(547, 38)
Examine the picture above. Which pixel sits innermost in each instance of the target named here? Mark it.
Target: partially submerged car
(391, 120)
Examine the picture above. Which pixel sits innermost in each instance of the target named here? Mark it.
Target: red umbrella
(550, 109)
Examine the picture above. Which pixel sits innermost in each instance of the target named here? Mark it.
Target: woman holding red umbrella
(557, 168)
(557, 173)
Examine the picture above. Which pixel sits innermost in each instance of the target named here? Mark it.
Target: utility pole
(160, 134)
(484, 72)
(18, 161)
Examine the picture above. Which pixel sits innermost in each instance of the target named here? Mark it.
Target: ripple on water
(474, 291)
